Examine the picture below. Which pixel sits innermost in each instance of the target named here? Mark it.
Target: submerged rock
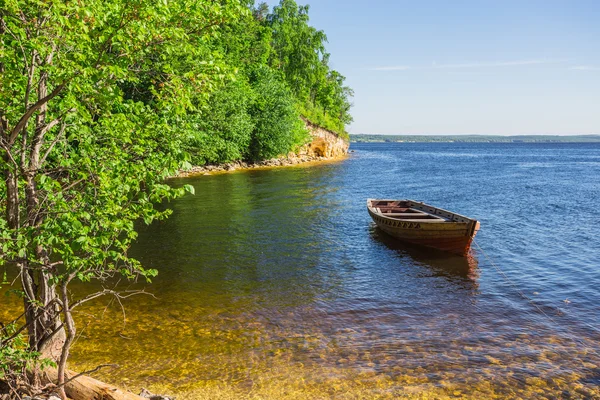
(145, 393)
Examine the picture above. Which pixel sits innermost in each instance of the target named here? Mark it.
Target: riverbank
(325, 146)
(273, 163)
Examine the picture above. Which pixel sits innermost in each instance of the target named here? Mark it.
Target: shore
(272, 163)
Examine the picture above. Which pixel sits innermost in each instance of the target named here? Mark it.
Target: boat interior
(404, 210)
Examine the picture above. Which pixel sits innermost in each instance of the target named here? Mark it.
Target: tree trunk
(12, 195)
(45, 332)
(70, 331)
(42, 314)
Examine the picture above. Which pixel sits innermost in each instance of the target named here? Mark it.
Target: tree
(222, 133)
(98, 101)
(84, 154)
(278, 128)
(298, 48)
(260, 11)
(299, 53)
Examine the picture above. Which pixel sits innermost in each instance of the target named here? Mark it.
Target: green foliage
(95, 99)
(115, 128)
(247, 42)
(299, 52)
(15, 357)
(278, 128)
(298, 48)
(246, 120)
(276, 52)
(316, 115)
(222, 133)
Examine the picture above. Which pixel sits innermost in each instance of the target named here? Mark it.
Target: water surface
(276, 283)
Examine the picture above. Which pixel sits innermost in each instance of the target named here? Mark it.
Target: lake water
(276, 283)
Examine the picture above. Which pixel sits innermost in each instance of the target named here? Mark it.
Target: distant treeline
(365, 138)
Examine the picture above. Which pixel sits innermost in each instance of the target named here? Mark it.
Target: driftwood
(86, 388)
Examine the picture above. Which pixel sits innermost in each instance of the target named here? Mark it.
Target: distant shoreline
(365, 138)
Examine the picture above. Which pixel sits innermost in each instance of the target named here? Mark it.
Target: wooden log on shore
(87, 388)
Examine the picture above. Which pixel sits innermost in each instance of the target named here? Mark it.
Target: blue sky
(466, 67)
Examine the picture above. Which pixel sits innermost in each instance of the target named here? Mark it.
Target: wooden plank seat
(417, 217)
(404, 214)
(436, 220)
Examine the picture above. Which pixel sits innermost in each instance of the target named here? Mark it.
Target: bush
(277, 125)
(16, 359)
(222, 133)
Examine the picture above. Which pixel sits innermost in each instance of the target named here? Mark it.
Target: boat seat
(414, 217)
(437, 220)
(411, 214)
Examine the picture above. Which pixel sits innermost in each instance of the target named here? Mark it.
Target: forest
(100, 102)
(279, 70)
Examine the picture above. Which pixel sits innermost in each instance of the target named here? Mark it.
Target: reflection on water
(275, 284)
(442, 262)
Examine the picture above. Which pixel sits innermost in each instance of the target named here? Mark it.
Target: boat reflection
(441, 262)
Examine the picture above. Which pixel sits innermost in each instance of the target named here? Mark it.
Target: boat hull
(453, 234)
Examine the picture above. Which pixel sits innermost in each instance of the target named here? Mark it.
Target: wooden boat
(425, 225)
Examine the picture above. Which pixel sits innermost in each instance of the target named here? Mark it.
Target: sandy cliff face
(324, 144)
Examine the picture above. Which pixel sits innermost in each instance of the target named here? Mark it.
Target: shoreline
(304, 160)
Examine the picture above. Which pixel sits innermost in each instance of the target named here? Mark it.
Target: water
(276, 283)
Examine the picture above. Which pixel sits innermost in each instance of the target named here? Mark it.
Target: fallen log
(87, 388)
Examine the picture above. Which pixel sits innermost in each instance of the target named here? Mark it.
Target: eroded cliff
(325, 143)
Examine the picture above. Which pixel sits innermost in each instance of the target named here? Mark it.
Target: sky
(492, 67)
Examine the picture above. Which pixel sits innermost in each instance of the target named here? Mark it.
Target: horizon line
(477, 134)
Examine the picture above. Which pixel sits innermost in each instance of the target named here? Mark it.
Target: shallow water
(276, 284)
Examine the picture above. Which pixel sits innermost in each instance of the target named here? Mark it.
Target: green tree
(222, 133)
(299, 53)
(93, 98)
(278, 128)
(247, 42)
(298, 48)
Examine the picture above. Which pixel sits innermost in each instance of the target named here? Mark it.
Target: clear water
(276, 283)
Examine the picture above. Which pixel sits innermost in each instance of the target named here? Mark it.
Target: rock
(145, 393)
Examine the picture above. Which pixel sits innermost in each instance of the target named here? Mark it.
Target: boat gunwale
(444, 221)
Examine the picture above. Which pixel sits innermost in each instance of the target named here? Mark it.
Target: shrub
(277, 125)
(222, 132)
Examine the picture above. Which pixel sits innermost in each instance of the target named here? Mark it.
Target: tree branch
(109, 291)
(25, 326)
(25, 118)
(63, 127)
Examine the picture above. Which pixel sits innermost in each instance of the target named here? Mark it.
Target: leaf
(189, 189)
